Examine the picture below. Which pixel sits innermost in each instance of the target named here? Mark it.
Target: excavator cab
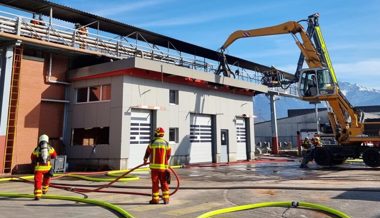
(315, 82)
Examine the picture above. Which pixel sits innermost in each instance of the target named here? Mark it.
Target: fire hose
(289, 204)
(107, 205)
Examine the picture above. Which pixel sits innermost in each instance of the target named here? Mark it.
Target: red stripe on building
(163, 77)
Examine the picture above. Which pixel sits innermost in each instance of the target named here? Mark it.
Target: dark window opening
(173, 135)
(173, 96)
(82, 95)
(89, 137)
(95, 93)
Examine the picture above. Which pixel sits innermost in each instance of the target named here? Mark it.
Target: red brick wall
(28, 112)
(2, 152)
(51, 114)
(35, 117)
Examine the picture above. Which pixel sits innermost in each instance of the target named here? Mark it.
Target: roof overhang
(154, 70)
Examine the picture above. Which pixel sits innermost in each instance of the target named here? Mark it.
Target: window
(89, 137)
(173, 96)
(82, 95)
(94, 94)
(173, 135)
(106, 92)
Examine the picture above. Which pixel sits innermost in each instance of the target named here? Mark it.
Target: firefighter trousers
(41, 182)
(158, 177)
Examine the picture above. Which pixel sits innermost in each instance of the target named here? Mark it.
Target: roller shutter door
(241, 139)
(200, 139)
(140, 136)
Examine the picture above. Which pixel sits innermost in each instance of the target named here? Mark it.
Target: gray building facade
(116, 105)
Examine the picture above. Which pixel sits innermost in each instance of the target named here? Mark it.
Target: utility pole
(316, 116)
(275, 147)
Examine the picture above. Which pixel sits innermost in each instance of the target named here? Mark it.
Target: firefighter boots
(153, 201)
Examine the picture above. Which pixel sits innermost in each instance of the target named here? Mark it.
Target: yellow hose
(276, 204)
(117, 173)
(16, 179)
(103, 204)
(113, 173)
(95, 179)
(88, 178)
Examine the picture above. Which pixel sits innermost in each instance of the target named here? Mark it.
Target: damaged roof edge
(154, 66)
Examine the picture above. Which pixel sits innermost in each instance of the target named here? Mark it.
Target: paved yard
(351, 188)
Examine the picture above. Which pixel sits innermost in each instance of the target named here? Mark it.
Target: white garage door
(140, 130)
(200, 139)
(241, 150)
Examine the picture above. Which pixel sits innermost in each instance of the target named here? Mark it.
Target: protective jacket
(41, 157)
(159, 152)
(37, 158)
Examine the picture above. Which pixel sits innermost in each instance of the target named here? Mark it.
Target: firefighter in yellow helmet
(309, 154)
(158, 152)
(41, 157)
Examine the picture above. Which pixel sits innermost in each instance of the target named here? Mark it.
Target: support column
(316, 117)
(6, 59)
(275, 147)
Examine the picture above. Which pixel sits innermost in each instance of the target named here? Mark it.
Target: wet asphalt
(351, 188)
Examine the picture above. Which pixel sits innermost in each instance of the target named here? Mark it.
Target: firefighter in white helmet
(41, 157)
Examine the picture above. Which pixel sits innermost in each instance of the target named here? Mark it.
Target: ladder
(12, 110)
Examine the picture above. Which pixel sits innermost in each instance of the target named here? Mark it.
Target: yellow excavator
(355, 135)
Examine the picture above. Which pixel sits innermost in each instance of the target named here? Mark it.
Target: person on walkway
(158, 152)
(41, 157)
(82, 33)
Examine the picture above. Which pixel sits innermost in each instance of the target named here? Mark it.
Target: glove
(51, 173)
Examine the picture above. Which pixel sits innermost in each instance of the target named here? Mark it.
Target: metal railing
(114, 46)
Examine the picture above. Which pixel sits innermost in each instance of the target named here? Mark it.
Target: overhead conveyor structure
(105, 37)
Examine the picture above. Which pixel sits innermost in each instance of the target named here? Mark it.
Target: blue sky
(351, 28)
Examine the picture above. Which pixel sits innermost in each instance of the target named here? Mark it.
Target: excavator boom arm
(307, 48)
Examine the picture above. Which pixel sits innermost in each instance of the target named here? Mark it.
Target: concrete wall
(6, 60)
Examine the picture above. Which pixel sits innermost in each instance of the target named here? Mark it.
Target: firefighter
(307, 153)
(310, 148)
(158, 152)
(43, 171)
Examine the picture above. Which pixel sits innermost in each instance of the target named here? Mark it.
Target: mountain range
(357, 95)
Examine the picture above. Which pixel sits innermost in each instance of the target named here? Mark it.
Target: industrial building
(99, 98)
(305, 121)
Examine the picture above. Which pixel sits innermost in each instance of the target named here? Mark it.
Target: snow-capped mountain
(356, 94)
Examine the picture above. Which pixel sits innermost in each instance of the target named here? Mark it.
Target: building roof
(153, 70)
(76, 16)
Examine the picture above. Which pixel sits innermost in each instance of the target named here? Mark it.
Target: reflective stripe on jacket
(159, 152)
(40, 166)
